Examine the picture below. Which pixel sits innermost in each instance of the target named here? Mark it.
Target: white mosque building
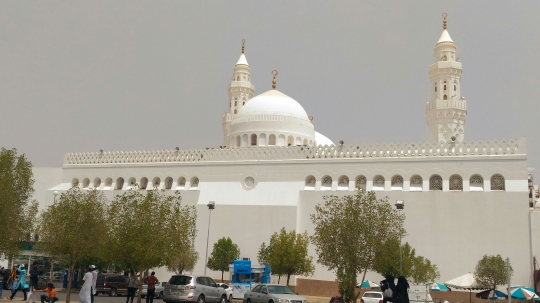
(463, 199)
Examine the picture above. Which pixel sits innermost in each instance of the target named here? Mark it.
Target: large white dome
(273, 102)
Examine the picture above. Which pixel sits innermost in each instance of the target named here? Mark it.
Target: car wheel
(248, 301)
(143, 296)
(112, 292)
(230, 298)
(160, 296)
(223, 299)
(200, 299)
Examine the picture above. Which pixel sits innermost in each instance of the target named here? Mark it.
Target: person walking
(402, 290)
(151, 281)
(1, 280)
(388, 287)
(94, 280)
(50, 297)
(86, 290)
(33, 282)
(132, 286)
(18, 281)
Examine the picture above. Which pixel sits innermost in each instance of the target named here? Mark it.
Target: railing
(273, 153)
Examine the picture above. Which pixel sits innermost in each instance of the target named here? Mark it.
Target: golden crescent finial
(444, 20)
(274, 74)
(243, 41)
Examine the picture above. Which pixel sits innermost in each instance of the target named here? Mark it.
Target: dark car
(111, 284)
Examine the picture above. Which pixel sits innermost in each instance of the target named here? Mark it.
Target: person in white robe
(86, 289)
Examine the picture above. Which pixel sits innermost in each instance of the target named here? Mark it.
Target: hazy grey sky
(127, 75)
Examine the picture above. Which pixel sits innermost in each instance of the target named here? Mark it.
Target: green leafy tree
(264, 252)
(349, 231)
(18, 210)
(417, 269)
(289, 254)
(490, 271)
(223, 254)
(149, 230)
(71, 228)
(185, 260)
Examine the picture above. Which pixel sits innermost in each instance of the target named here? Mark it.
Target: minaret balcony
(452, 103)
(445, 64)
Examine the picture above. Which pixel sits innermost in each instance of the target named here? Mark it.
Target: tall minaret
(240, 91)
(446, 113)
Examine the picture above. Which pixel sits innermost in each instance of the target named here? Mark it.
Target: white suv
(200, 289)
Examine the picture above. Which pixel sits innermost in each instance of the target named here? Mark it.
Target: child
(51, 294)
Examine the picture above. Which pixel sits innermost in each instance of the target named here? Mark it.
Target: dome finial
(444, 20)
(274, 74)
(243, 41)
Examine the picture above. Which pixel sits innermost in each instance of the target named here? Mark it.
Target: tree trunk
(70, 279)
(278, 279)
(222, 276)
(140, 279)
(288, 278)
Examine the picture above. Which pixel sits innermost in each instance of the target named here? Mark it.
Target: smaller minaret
(446, 113)
(240, 91)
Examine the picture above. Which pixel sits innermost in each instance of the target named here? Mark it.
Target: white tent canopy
(467, 281)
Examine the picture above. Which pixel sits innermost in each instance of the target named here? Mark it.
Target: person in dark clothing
(402, 289)
(388, 288)
(33, 282)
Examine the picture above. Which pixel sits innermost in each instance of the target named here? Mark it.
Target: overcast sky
(79, 76)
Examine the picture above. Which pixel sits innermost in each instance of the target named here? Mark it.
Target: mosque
(463, 199)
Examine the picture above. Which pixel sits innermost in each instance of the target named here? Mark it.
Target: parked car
(268, 293)
(372, 297)
(111, 284)
(200, 289)
(228, 290)
(159, 290)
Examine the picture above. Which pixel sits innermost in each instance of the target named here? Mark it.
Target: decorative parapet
(271, 153)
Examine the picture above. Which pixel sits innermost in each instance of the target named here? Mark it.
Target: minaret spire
(274, 74)
(244, 41)
(444, 21)
(446, 113)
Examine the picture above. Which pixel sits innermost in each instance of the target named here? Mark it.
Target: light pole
(211, 205)
(400, 205)
(55, 193)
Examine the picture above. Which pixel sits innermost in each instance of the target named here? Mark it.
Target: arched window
(156, 182)
(476, 183)
(397, 183)
(455, 88)
(378, 183)
(298, 141)
(238, 141)
(444, 87)
(75, 182)
(85, 183)
(108, 184)
(310, 183)
(281, 140)
(144, 183)
(131, 183)
(435, 182)
(238, 78)
(97, 182)
(119, 183)
(435, 87)
(244, 103)
(245, 140)
(168, 183)
(290, 140)
(235, 111)
(497, 182)
(326, 183)
(262, 140)
(272, 140)
(456, 182)
(253, 140)
(235, 102)
(194, 183)
(361, 182)
(417, 184)
(181, 183)
(343, 183)
(444, 98)
(305, 142)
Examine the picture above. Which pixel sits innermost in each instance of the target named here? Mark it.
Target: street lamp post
(211, 205)
(55, 193)
(400, 205)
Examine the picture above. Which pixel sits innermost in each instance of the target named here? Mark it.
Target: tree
(264, 252)
(149, 230)
(223, 254)
(417, 269)
(18, 210)
(289, 254)
(350, 230)
(185, 260)
(71, 229)
(490, 271)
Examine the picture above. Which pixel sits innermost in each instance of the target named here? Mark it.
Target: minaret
(446, 113)
(240, 91)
